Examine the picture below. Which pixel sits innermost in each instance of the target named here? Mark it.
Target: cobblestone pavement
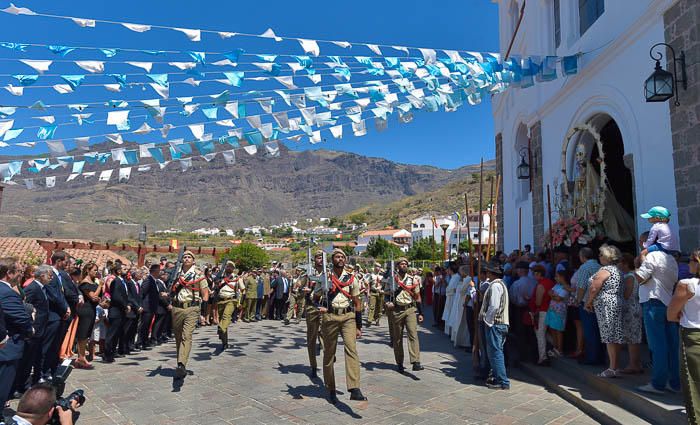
(262, 380)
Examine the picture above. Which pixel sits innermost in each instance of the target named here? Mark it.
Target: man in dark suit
(18, 323)
(61, 285)
(118, 307)
(38, 295)
(281, 286)
(149, 297)
(132, 317)
(163, 310)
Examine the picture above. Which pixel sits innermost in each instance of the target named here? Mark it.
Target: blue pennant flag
(569, 65)
(205, 148)
(110, 53)
(26, 80)
(46, 132)
(242, 110)
(154, 52)
(254, 137)
(199, 57)
(305, 61)
(78, 167)
(130, 158)
(231, 140)
(173, 154)
(234, 54)
(38, 105)
(343, 72)
(392, 62)
(157, 154)
(160, 79)
(121, 78)
(15, 46)
(275, 70)
(73, 80)
(61, 50)
(90, 157)
(364, 60)
(375, 95)
(338, 60)
(195, 73)
(210, 113)
(184, 148)
(103, 157)
(221, 98)
(235, 77)
(267, 58)
(548, 71)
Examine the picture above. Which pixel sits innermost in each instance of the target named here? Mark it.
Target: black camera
(58, 382)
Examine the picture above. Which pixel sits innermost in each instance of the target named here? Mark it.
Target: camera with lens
(58, 382)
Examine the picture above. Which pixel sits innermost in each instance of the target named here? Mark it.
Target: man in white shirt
(657, 276)
(494, 315)
(37, 406)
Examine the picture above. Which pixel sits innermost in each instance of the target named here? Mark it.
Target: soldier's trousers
(406, 318)
(249, 308)
(294, 301)
(184, 323)
(375, 307)
(226, 308)
(313, 324)
(331, 326)
(390, 320)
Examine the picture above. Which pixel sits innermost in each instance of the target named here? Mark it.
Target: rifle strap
(339, 285)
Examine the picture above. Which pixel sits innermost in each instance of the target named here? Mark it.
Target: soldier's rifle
(172, 279)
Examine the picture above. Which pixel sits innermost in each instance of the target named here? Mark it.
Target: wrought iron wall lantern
(661, 84)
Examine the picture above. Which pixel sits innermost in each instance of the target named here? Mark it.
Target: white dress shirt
(657, 276)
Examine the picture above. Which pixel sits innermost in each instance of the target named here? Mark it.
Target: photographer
(37, 407)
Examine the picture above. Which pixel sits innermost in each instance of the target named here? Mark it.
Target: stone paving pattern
(263, 379)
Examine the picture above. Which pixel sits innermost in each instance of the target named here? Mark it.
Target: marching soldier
(407, 312)
(313, 316)
(387, 292)
(375, 295)
(341, 314)
(251, 291)
(231, 288)
(297, 297)
(190, 293)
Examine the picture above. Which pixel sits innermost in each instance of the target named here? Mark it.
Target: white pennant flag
(29, 183)
(193, 35)
(400, 49)
(5, 125)
(337, 131)
(429, 55)
(16, 91)
(72, 177)
(115, 138)
(51, 181)
(117, 117)
(38, 65)
(310, 46)
(232, 108)
(89, 174)
(113, 87)
(254, 121)
(224, 62)
(14, 10)
(106, 175)
(185, 163)
(359, 128)
(46, 118)
(309, 114)
(63, 88)
(209, 157)
(266, 105)
(117, 154)
(137, 27)
(165, 130)
(144, 150)
(272, 149)
(144, 129)
(56, 148)
(229, 156)
(143, 168)
(225, 35)
(315, 78)
(84, 22)
(91, 66)
(191, 81)
(143, 65)
(226, 123)
(282, 119)
(270, 34)
(197, 130)
(343, 44)
(315, 137)
(82, 143)
(183, 65)
(124, 174)
(164, 92)
(251, 149)
(375, 49)
(287, 81)
(266, 130)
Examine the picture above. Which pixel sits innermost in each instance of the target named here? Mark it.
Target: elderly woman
(685, 308)
(605, 298)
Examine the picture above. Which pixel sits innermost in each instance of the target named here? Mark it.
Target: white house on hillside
(591, 138)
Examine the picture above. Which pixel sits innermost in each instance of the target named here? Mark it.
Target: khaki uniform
(230, 296)
(340, 319)
(313, 322)
(376, 299)
(389, 313)
(251, 301)
(264, 310)
(297, 297)
(185, 312)
(404, 315)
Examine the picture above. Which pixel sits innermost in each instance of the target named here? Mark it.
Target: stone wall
(499, 202)
(682, 31)
(537, 187)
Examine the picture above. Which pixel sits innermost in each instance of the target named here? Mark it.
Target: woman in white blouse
(685, 308)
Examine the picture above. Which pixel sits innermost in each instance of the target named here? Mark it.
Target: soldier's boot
(417, 366)
(356, 394)
(224, 340)
(332, 398)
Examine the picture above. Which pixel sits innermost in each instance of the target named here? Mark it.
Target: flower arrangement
(570, 231)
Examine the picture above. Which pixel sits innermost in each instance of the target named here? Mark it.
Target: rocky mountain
(256, 190)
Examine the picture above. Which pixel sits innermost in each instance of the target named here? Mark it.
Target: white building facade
(612, 39)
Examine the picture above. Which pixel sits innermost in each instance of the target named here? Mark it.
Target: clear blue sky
(442, 139)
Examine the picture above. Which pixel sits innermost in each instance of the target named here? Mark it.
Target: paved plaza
(263, 379)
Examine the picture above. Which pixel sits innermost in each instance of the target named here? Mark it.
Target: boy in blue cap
(661, 238)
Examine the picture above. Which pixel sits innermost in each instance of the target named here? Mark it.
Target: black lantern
(524, 167)
(661, 84)
(143, 234)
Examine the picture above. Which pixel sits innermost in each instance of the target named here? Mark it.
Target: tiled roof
(27, 248)
(383, 232)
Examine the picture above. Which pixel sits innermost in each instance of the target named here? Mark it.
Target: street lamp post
(444, 228)
(143, 235)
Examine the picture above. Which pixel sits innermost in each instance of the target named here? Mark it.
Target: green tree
(394, 222)
(382, 249)
(358, 218)
(424, 249)
(247, 256)
(465, 246)
(348, 250)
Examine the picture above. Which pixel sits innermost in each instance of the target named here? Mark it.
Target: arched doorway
(598, 183)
